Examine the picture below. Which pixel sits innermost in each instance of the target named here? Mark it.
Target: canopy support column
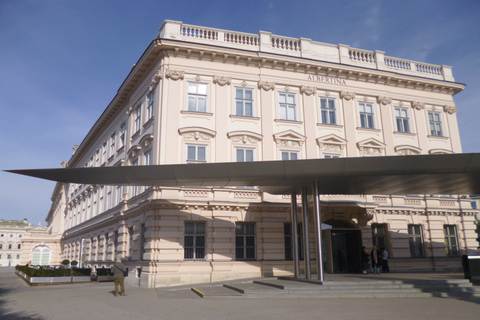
(306, 242)
(318, 230)
(296, 258)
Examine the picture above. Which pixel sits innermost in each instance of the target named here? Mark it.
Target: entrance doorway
(344, 245)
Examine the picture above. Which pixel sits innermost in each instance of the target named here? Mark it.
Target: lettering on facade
(330, 80)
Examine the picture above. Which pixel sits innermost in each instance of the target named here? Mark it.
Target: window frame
(287, 106)
(435, 123)
(327, 111)
(137, 118)
(452, 249)
(376, 235)
(197, 251)
(367, 119)
(402, 122)
(243, 101)
(244, 154)
(197, 97)
(196, 160)
(289, 153)
(243, 241)
(416, 241)
(150, 102)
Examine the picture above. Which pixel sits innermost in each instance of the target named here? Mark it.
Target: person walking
(375, 257)
(385, 267)
(119, 277)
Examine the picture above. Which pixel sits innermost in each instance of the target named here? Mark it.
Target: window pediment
(331, 142)
(371, 147)
(245, 137)
(439, 151)
(146, 140)
(407, 150)
(196, 133)
(289, 138)
(133, 151)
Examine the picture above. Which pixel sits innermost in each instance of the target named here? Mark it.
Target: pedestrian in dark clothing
(119, 277)
(385, 267)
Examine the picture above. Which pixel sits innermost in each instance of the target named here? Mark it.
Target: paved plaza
(96, 301)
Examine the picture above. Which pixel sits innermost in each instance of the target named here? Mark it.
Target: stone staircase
(291, 288)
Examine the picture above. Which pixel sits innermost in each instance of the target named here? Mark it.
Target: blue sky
(62, 61)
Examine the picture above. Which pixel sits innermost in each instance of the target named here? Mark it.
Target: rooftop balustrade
(302, 48)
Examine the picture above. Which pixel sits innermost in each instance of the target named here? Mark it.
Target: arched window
(41, 256)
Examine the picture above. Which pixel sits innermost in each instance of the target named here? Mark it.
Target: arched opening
(41, 256)
(344, 244)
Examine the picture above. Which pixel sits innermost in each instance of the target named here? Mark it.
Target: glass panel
(250, 241)
(324, 116)
(202, 104)
(283, 112)
(250, 253)
(200, 227)
(293, 156)
(239, 93)
(200, 241)
(239, 253)
(285, 156)
(240, 157)
(191, 152)
(239, 108)
(248, 94)
(201, 154)
(202, 88)
(200, 253)
(333, 120)
(323, 103)
(248, 109)
(331, 104)
(282, 98)
(192, 103)
(249, 155)
(250, 228)
(291, 113)
(291, 99)
(189, 227)
(188, 253)
(239, 241)
(189, 241)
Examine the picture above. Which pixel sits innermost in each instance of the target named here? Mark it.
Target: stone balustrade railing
(304, 48)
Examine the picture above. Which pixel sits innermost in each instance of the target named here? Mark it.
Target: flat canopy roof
(419, 174)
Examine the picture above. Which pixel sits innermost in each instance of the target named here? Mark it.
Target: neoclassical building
(200, 95)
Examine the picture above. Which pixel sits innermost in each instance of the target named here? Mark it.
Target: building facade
(201, 95)
(12, 242)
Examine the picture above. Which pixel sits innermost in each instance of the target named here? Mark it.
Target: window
(366, 115)
(330, 156)
(244, 155)
(289, 155)
(150, 100)
(119, 194)
(288, 108)
(245, 248)
(287, 233)
(451, 240)
(122, 135)
(1, 245)
(435, 124)
(134, 188)
(197, 97)
(244, 102)
(19, 246)
(130, 242)
(41, 256)
(415, 238)
(379, 235)
(401, 117)
(148, 157)
(194, 240)
(104, 152)
(112, 144)
(18, 256)
(328, 111)
(137, 118)
(9, 246)
(196, 154)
